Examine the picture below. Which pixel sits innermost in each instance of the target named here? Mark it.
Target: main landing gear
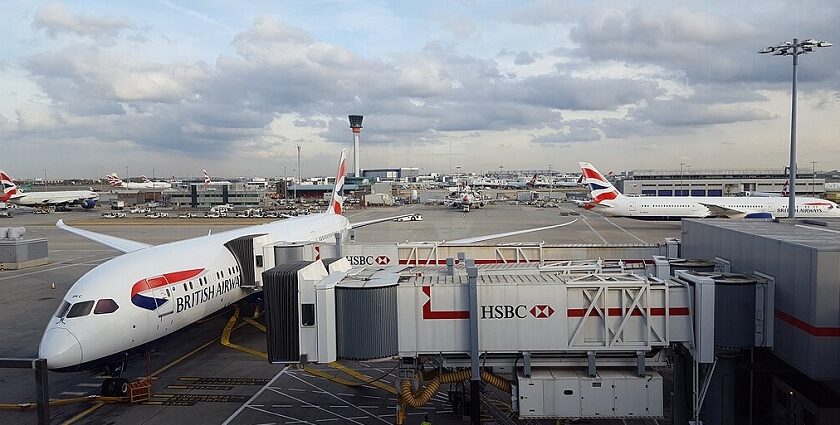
(115, 386)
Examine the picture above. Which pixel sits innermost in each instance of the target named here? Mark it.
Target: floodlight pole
(792, 170)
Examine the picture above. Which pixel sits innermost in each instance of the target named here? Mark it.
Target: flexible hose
(416, 399)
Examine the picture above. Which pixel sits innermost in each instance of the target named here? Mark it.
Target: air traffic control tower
(356, 126)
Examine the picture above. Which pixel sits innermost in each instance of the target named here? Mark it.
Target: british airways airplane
(607, 199)
(127, 303)
(60, 199)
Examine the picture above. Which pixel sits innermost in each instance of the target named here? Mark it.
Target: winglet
(337, 201)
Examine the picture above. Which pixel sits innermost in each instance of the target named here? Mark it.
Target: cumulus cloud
(628, 71)
(55, 18)
(683, 113)
(522, 57)
(571, 135)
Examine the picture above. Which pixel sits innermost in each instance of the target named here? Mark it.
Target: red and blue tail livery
(143, 292)
(9, 187)
(601, 188)
(337, 201)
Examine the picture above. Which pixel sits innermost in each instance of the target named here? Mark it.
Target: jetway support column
(339, 245)
(526, 364)
(475, 379)
(640, 365)
(590, 364)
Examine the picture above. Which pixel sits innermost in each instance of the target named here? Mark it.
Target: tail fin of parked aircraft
(9, 187)
(601, 188)
(337, 201)
(114, 180)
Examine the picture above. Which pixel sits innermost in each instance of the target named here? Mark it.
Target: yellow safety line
(254, 323)
(226, 338)
(317, 372)
(155, 373)
(362, 377)
(81, 415)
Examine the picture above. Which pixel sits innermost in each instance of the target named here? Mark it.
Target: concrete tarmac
(204, 382)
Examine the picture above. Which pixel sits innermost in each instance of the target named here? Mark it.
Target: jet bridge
(564, 334)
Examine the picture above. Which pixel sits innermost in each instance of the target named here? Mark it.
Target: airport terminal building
(706, 182)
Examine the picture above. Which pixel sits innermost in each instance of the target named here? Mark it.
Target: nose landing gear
(115, 386)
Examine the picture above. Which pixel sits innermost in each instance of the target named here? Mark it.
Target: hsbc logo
(502, 311)
(368, 260)
(541, 311)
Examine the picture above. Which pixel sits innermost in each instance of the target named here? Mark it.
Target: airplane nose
(60, 348)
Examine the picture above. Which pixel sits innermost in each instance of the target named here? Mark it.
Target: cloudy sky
(89, 87)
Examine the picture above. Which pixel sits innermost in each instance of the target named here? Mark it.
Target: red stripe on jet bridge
(412, 262)
(442, 314)
(618, 311)
(807, 327)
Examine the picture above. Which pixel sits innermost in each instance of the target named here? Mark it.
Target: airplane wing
(506, 234)
(378, 220)
(120, 244)
(721, 211)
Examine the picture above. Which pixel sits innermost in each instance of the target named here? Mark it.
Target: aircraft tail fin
(337, 201)
(206, 178)
(145, 179)
(599, 186)
(114, 180)
(10, 189)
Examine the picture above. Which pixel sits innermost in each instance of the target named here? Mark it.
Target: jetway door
(280, 287)
(242, 249)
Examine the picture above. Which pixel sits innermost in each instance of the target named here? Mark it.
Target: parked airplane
(115, 181)
(606, 198)
(209, 182)
(125, 304)
(59, 199)
(462, 197)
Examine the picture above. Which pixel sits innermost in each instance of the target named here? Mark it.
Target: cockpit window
(80, 309)
(105, 306)
(62, 309)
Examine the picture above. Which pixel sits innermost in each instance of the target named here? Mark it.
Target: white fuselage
(674, 207)
(35, 199)
(196, 277)
(144, 185)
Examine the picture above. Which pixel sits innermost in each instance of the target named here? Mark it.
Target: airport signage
(368, 260)
(521, 311)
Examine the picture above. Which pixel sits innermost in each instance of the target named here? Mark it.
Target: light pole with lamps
(793, 49)
(550, 183)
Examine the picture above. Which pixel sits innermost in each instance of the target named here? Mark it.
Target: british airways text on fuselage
(195, 298)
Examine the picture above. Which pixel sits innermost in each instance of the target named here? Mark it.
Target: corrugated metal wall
(734, 313)
(280, 291)
(366, 322)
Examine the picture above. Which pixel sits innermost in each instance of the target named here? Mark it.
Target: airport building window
(80, 309)
(105, 306)
(62, 309)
